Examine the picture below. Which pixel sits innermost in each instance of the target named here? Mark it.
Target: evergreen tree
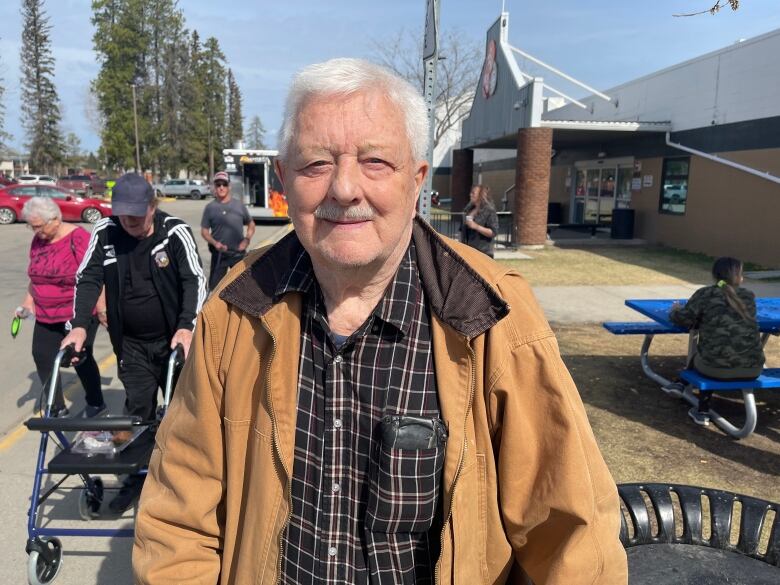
(165, 27)
(175, 63)
(40, 103)
(215, 102)
(235, 117)
(256, 134)
(120, 42)
(194, 121)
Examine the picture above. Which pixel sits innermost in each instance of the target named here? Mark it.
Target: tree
(40, 103)
(120, 43)
(4, 136)
(194, 121)
(255, 138)
(734, 4)
(457, 72)
(235, 124)
(73, 155)
(213, 79)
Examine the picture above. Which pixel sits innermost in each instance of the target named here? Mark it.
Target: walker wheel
(90, 499)
(45, 560)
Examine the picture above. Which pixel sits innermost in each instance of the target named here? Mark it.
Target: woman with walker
(55, 254)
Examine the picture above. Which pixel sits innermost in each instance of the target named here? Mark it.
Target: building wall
(737, 83)
(728, 212)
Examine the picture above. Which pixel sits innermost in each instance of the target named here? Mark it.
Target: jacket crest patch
(161, 259)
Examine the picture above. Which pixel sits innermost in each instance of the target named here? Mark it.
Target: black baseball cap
(131, 195)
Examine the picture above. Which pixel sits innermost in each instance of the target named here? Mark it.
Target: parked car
(5, 181)
(36, 180)
(87, 185)
(73, 207)
(193, 188)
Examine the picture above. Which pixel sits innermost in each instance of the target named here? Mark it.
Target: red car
(73, 207)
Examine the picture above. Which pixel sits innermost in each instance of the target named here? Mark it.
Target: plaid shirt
(362, 512)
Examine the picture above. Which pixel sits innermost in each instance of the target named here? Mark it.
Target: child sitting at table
(729, 343)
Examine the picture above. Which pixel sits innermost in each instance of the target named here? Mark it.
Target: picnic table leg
(643, 357)
(751, 417)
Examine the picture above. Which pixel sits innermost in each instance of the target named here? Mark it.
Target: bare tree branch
(457, 72)
(715, 8)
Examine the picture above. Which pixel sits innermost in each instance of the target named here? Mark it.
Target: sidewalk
(595, 304)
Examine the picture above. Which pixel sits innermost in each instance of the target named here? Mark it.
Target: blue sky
(601, 42)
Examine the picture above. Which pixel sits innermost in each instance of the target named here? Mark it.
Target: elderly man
(149, 264)
(366, 401)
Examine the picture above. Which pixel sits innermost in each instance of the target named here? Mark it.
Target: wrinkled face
(351, 182)
(44, 229)
(139, 226)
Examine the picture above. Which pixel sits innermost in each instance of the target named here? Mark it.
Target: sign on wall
(647, 181)
(489, 70)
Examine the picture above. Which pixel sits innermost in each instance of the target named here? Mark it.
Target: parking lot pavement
(86, 560)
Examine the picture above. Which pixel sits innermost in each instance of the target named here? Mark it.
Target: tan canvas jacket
(525, 489)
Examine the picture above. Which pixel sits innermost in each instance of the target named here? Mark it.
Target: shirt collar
(397, 304)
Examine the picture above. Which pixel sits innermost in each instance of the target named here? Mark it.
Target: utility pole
(430, 58)
(137, 149)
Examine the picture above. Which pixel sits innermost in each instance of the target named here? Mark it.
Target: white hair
(41, 207)
(344, 77)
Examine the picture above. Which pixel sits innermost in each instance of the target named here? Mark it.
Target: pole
(135, 120)
(430, 58)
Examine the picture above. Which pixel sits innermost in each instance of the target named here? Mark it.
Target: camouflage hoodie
(726, 340)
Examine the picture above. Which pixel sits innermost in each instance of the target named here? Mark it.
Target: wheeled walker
(43, 544)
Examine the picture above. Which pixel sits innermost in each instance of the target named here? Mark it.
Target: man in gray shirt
(222, 226)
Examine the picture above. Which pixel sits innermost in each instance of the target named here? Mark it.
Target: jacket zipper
(472, 390)
(277, 448)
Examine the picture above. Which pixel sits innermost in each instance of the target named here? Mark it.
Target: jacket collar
(455, 292)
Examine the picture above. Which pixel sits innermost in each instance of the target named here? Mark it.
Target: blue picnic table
(768, 317)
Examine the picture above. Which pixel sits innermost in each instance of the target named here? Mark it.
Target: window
(674, 186)
(24, 191)
(53, 193)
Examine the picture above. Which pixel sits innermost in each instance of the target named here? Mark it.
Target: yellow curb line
(16, 434)
(275, 236)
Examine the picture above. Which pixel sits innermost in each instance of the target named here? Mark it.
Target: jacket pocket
(404, 489)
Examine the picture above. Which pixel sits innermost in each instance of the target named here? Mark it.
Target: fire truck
(253, 180)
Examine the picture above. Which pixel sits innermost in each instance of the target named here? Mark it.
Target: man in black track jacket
(155, 287)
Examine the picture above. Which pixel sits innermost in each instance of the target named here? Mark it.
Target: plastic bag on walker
(104, 442)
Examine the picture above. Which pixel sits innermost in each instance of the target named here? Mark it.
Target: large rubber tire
(91, 215)
(7, 215)
(91, 500)
(39, 572)
(196, 195)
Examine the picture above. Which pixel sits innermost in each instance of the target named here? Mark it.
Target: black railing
(449, 223)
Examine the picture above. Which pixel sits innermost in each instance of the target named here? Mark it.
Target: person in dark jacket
(155, 287)
(729, 342)
(480, 220)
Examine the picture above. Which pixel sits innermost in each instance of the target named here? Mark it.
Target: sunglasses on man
(220, 184)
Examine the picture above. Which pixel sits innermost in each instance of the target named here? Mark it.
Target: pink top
(52, 274)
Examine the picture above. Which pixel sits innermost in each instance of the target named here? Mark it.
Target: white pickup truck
(192, 188)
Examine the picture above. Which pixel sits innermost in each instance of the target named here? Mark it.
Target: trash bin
(622, 224)
(555, 212)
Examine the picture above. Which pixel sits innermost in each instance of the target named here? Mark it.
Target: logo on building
(489, 70)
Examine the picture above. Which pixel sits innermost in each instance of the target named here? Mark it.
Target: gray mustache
(337, 213)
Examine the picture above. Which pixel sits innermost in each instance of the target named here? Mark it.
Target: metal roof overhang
(573, 133)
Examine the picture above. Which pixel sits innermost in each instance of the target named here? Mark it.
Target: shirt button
(337, 423)
(338, 359)
(335, 488)
(332, 551)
